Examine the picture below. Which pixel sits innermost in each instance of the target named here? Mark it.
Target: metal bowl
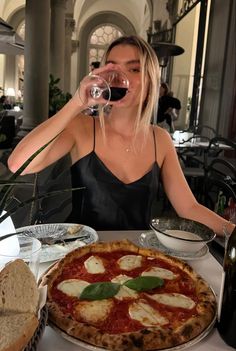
(181, 234)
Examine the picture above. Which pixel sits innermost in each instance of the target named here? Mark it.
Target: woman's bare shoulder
(164, 144)
(81, 130)
(80, 124)
(162, 135)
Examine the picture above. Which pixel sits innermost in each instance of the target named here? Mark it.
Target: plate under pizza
(90, 347)
(118, 296)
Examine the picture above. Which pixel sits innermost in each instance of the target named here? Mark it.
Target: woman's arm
(61, 122)
(179, 193)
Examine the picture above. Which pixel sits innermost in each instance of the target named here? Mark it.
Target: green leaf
(36, 198)
(7, 189)
(8, 182)
(100, 291)
(144, 283)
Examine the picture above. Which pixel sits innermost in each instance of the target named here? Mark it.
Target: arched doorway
(116, 20)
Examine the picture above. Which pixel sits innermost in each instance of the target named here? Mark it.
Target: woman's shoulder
(161, 134)
(164, 143)
(80, 124)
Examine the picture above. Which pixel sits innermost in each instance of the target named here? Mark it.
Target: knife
(47, 240)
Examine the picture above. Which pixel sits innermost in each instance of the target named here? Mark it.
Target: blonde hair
(149, 73)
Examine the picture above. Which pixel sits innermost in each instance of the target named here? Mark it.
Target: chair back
(205, 130)
(220, 185)
(222, 169)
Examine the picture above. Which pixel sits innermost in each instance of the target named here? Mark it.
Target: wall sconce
(11, 92)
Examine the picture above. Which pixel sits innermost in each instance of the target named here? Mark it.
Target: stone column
(57, 44)
(10, 73)
(36, 75)
(70, 25)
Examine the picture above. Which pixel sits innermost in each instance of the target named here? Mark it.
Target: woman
(168, 107)
(119, 158)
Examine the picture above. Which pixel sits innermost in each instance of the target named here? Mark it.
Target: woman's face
(128, 59)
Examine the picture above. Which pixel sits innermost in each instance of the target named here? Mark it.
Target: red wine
(116, 93)
(227, 304)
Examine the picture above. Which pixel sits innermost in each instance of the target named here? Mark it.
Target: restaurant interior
(199, 69)
(48, 46)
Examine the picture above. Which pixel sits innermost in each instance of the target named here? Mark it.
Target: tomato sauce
(119, 321)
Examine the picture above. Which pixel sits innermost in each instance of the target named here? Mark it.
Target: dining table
(208, 267)
(199, 145)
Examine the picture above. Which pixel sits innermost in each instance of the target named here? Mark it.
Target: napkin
(10, 246)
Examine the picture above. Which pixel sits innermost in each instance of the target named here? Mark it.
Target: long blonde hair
(149, 72)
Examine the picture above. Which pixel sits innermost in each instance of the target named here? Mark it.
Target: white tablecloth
(207, 267)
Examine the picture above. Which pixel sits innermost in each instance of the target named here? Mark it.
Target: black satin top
(107, 203)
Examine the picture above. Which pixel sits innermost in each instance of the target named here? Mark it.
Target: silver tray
(57, 251)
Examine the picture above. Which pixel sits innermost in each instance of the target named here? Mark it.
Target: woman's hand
(92, 81)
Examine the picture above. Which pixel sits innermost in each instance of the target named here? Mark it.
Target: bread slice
(16, 330)
(18, 288)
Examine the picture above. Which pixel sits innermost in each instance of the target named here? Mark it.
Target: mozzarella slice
(130, 262)
(94, 311)
(146, 315)
(159, 272)
(124, 292)
(94, 265)
(174, 300)
(72, 287)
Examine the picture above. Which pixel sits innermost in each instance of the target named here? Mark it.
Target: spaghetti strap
(154, 140)
(94, 132)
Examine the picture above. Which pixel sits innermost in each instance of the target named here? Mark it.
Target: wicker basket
(32, 345)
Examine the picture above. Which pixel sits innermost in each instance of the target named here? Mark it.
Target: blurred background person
(168, 107)
(4, 103)
(94, 65)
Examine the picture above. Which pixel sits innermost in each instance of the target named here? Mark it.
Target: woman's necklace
(124, 139)
(128, 148)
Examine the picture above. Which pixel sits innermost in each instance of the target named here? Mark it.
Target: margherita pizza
(121, 297)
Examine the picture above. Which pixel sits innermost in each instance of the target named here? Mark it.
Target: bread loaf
(18, 288)
(19, 298)
(16, 330)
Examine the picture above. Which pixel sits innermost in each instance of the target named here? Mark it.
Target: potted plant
(57, 99)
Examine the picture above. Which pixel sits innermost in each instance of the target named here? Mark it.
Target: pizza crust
(149, 338)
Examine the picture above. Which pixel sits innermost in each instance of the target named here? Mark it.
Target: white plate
(57, 251)
(150, 240)
(96, 348)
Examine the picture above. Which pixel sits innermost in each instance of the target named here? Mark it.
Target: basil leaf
(100, 291)
(144, 283)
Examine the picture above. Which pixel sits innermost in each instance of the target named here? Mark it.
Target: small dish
(149, 239)
(180, 234)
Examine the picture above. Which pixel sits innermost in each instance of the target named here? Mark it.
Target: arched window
(100, 38)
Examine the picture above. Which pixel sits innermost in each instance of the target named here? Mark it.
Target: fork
(48, 240)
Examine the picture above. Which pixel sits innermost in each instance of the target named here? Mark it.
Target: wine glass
(103, 88)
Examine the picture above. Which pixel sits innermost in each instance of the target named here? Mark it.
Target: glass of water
(21, 247)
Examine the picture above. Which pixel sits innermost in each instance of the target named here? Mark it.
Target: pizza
(121, 297)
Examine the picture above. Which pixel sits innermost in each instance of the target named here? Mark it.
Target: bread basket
(32, 345)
